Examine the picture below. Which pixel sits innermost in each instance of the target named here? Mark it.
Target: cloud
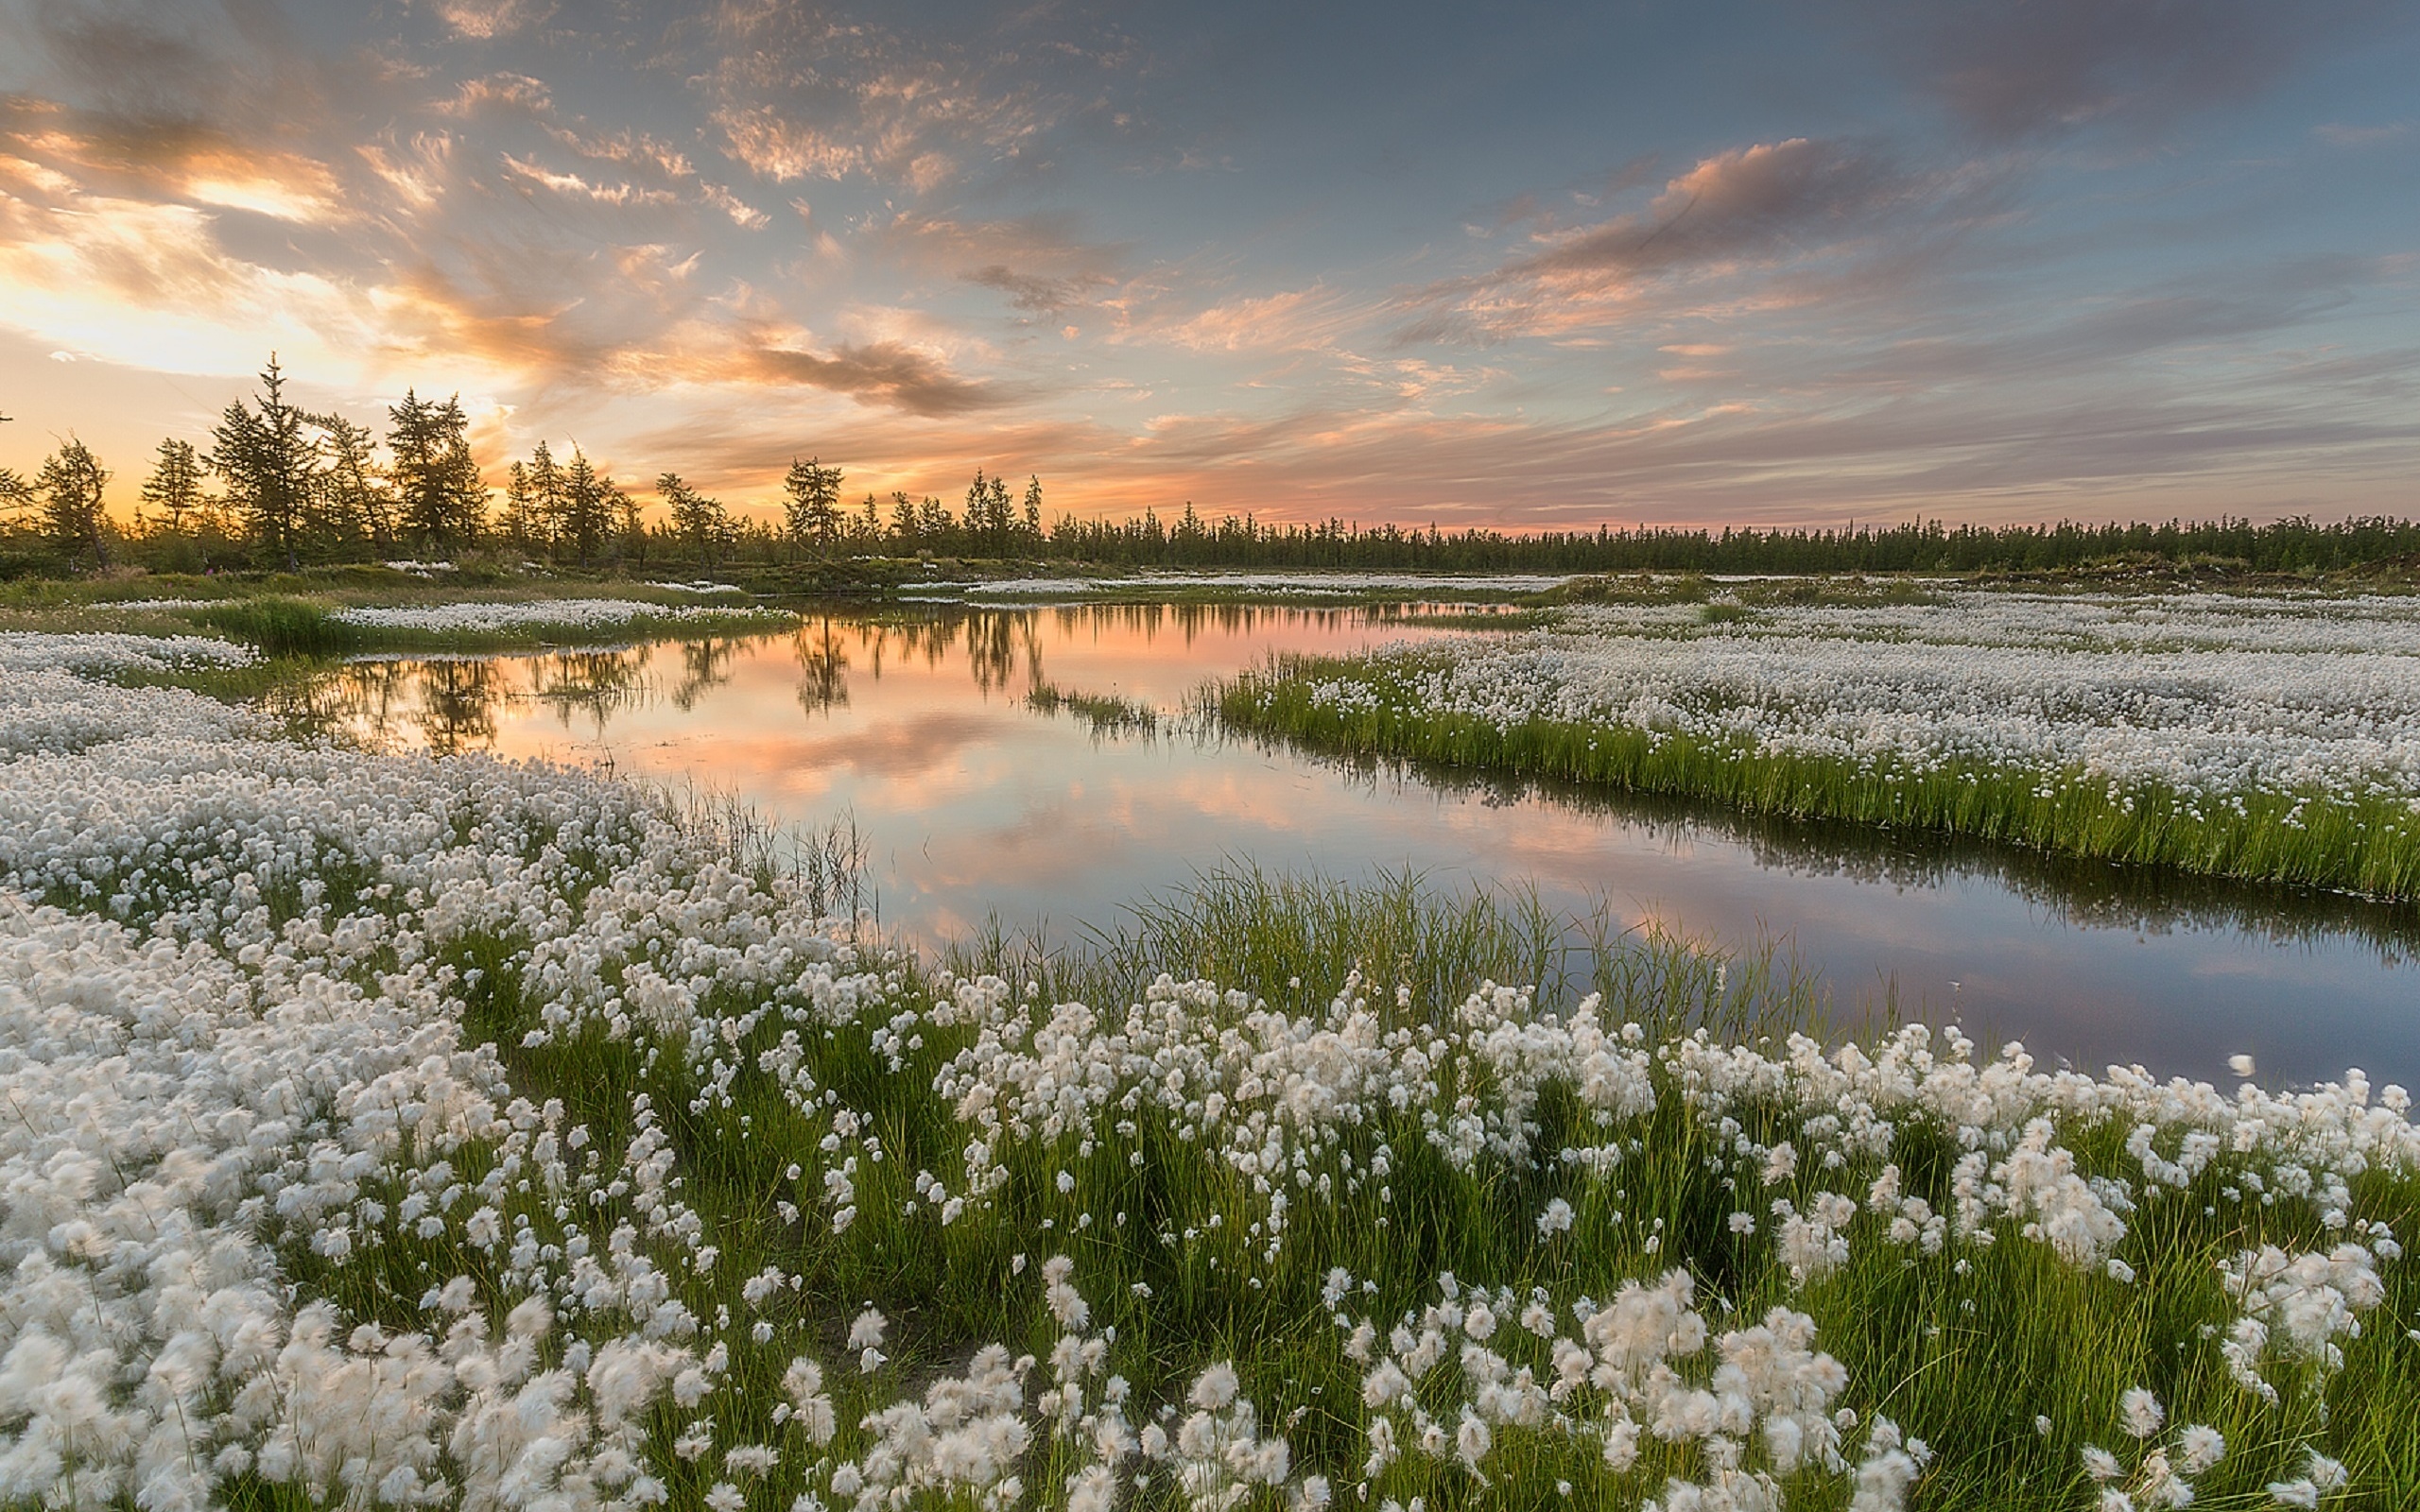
(2338, 134)
(1051, 244)
(1762, 218)
(798, 94)
(1745, 202)
(1042, 263)
(878, 373)
(2013, 71)
(1292, 319)
(772, 146)
(574, 186)
(915, 106)
(1031, 291)
(482, 20)
(2202, 312)
(742, 213)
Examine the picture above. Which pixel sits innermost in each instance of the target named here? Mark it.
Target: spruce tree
(270, 462)
(71, 483)
(173, 490)
(588, 507)
(812, 503)
(443, 499)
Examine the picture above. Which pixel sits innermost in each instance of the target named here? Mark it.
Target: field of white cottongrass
(2266, 738)
(396, 1131)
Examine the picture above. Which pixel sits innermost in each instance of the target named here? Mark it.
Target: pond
(976, 807)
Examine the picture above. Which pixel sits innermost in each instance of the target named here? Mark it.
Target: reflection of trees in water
(993, 641)
(927, 637)
(705, 666)
(368, 701)
(996, 642)
(599, 684)
(458, 704)
(996, 639)
(358, 699)
(2074, 890)
(824, 668)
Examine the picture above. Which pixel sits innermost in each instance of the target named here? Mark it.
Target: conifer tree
(519, 521)
(812, 503)
(173, 492)
(351, 506)
(71, 483)
(632, 510)
(695, 516)
(270, 462)
(444, 500)
(588, 507)
(547, 501)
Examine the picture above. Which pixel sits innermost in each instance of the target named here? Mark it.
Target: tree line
(280, 486)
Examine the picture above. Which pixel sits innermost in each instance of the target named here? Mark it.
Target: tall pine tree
(71, 483)
(444, 500)
(269, 463)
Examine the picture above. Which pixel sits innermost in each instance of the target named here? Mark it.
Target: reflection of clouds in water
(2078, 893)
(977, 808)
(896, 750)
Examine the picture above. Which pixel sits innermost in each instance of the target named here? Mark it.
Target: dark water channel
(973, 805)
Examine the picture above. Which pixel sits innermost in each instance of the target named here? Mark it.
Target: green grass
(283, 627)
(1106, 712)
(2371, 846)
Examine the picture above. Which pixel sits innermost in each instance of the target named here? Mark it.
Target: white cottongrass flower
(2296, 1307)
(2328, 1474)
(1215, 1387)
(867, 1330)
(563, 613)
(2199, 1447)
(2140, 1411)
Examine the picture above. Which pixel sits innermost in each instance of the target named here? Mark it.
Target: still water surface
(975, 806)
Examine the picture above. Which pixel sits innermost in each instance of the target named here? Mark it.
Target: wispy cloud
(2341, 134)
(2010, 72)
(881, 373)
(1742, 217)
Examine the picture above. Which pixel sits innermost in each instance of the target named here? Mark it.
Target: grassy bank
(332, 624)
(2309, 840)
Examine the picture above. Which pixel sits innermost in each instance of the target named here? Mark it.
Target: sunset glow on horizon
(1536, 266)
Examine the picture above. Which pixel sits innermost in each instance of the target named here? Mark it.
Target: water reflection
(973, 804)
(2070, 890)
(824, 667)
(595, 685)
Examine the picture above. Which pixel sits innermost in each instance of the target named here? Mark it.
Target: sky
(1512, 265)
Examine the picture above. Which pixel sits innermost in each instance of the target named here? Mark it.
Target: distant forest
(280, 486)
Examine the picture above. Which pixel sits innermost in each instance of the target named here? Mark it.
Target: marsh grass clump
(404, 1132)
(1107, 714)
(283, 627)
